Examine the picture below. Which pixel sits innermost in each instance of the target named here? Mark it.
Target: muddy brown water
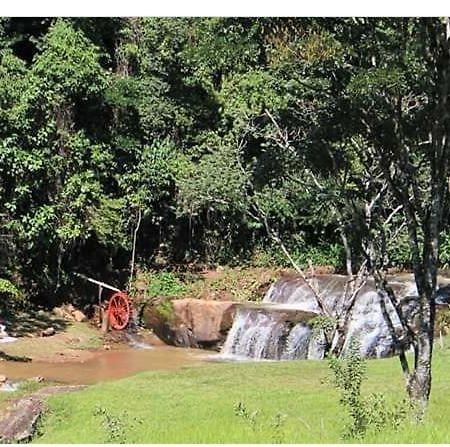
(106, 365)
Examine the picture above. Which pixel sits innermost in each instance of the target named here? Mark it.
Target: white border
(305, 8)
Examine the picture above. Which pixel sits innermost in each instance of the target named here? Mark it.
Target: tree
(398, 96)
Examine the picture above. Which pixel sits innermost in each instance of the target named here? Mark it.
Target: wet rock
(48, 332)
(191, 322)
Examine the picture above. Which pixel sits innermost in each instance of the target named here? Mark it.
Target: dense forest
(200, 141)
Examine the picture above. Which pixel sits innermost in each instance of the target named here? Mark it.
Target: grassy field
(293, 400)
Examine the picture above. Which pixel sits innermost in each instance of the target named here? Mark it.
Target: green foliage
(163, 284)
(215, 182)
(11, 297)
(399, 251)
(8, 288)
(348, 377)
(68, 64)
(442, 323)
(107, 220)
(151, 178)
(365, 414)
(323, 324)
(204, 127)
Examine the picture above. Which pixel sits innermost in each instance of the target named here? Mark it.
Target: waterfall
(274, 329)
(4, 337)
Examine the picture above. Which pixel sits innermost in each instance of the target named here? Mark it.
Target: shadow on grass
(24, 323)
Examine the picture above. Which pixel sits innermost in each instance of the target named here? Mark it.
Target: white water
(273, 331)
(4, 337)
(135, 343)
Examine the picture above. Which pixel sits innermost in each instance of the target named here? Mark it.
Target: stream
(117, 363)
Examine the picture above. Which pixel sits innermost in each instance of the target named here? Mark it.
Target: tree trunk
(419, 383)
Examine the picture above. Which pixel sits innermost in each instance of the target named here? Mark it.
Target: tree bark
(419, 384)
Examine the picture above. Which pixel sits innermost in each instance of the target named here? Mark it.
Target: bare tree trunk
(133, 253)
(419, 384)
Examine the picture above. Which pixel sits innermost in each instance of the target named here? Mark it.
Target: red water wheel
(119, 311)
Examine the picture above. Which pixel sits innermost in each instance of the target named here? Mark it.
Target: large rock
(191, 322)
(70, 313)
(79, 316)
(18, 423)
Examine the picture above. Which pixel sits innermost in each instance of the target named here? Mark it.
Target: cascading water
(256, 335)
(131, 333)
(4, 337)
(274, 330)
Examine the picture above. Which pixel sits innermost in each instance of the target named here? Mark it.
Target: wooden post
(103, 311)
(105, 319)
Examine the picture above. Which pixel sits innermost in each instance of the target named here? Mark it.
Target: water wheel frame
(119, 311)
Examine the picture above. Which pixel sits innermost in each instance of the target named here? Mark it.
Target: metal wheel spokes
(119, 311)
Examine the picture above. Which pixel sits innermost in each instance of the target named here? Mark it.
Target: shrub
(10, 296)
(164, 284)
(365, 413)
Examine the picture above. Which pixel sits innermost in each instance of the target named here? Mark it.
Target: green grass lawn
(197, 405)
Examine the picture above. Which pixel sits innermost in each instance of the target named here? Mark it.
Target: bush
(365, 413)
(164, 284)
(10, 296)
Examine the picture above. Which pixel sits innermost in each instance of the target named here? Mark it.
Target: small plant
(116, 426)
(348, 377)
(241, 411)
(253, 419)
(277, 426)
(370, 413)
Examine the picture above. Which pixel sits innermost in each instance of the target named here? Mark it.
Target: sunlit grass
(197, 405)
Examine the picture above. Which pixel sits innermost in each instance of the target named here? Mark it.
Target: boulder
(70, 313)
(48, 332)
(79, 316)
(63, 312)
(3, 378)
(191, 322)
